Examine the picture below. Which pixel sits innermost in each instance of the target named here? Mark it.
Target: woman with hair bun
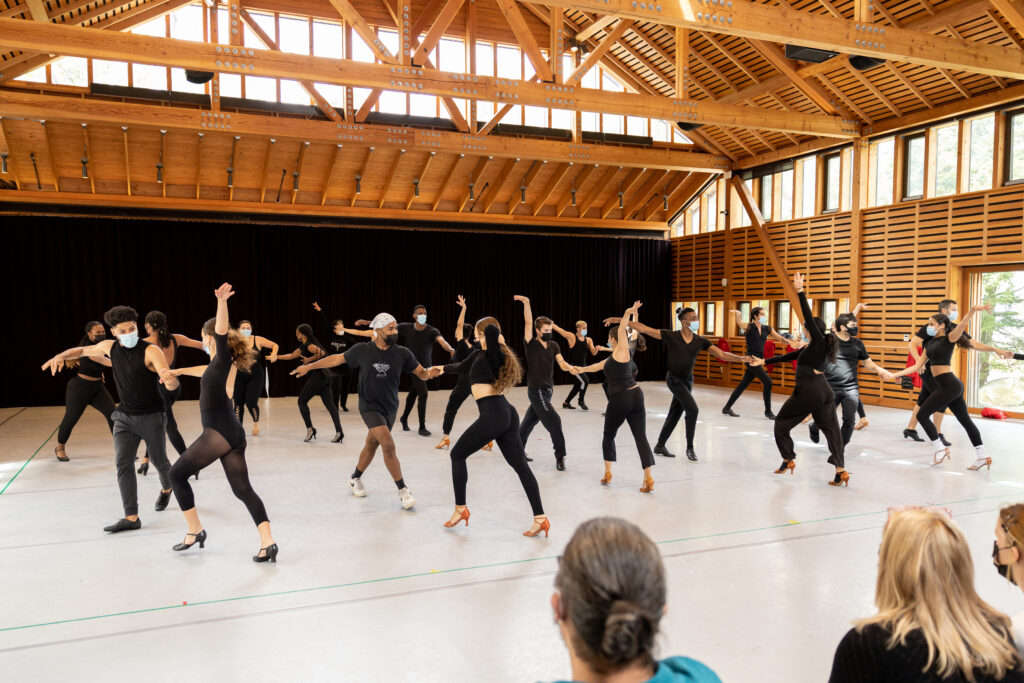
(610, 596)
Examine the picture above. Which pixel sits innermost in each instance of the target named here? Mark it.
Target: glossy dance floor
(766, 572)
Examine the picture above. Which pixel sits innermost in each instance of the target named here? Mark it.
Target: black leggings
(542, 411)
(749, 376)
(79, 394)
(210, 446)
(860, 408)
(948, 393)
(458, 396)
(682, 402)
(342, 383)
(417, 389)
(849, 399)
(173, 435)
(811, 396)
(498, 422)
(248, 389)
(627, 406)
(579, 387)
(318, 384)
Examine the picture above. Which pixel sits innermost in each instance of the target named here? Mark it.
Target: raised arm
(92, 351)
(644, 329)
(462, 318)
(569, 337)
(857, 309)
(184, 340)
(739, 321)
(805, 308)
(325, 324)
(958, 331)
(331, 361)
(221, 323)
(621, 352)
(527, 316)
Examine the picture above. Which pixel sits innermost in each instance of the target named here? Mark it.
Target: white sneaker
(358, 490)
(407, 500)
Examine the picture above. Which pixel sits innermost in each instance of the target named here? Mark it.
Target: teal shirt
(681, 670)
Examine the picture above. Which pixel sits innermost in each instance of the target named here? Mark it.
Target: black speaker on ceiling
(862, 63)
(808, 54)
(198, 77)
(683, 126)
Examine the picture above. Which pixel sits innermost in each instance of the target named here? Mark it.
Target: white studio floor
(766, 572)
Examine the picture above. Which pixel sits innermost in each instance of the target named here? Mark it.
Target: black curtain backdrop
(60, 273)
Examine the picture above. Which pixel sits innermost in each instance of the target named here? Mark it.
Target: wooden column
(858, 202)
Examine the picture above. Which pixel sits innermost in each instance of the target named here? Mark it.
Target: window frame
(1009, 115)
(826, 177)
(905, 142)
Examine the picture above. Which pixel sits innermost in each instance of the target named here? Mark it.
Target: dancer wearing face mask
(140, 415)
(86, 388)
(842, 374)
(249, 384)
(419, 337)
(223, 437)
(1008, 555)
(492, 369)
(541, 355)
(318, 383)
(581, 347)
(339, 339)
(948, 390)
(380, 363)
(683, 347)
(756, 332)
(464, 347)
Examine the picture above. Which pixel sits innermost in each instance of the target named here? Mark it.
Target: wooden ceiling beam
(474, 180)
(330, 175)
(419, 178)
(709, 143)
(846, 100)
(730, 56)
(92, 110)
(1012, 11)
(263, 175)
(360, 176)
(437, 29)
(499, 115)
(1000, 23)
(6, 149)
(352, 17)
(908, 84)
(516, 197)
(199, 160)
(787, 25)
(517, 22)
(297, 173)
(671, 185)
(596, 191)
(390, 177)
(598, 53)
(777, 58)
(576, 184)
(53, 157)
(625, 185)
(499, 182)
(549, 187)
(685, 192)
(596, 27)
(444, 183)
(37, 9)
(644, 194)
(873, 89)
(735, 138)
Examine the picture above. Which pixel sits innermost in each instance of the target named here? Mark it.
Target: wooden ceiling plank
(53, 158)
(360, 176)
(549, 187)
(596, 27)
(777, 59)
(390, 177)
(444, 183)
(671, 185)
(597, 190)
(645, 193)
(419, 178)
(686, 191)
(517, 22)
(625, 185)
(576, 184)
(908, 84)
(330, 175)
(499, 182)
(516, 197)
(599, 52)
(874, 90)
(266, 167)
(474, 180)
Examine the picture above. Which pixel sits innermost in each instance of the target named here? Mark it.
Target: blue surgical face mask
(803, 338)
(207, 349)
(763, 320)
(583, 333)
(421, 318)
(245, 333)
(952, 316)
(930, 330)
(694, 326)
(129, 340)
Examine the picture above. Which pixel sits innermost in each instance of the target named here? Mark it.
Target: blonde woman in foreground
(931, 625)
(1008, 557)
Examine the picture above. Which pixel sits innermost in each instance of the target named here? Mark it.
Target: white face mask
(129, 340)
(694, 326)
(245, 333)
(207, 349)
(952, 315)
(421, 319)
(763, 320)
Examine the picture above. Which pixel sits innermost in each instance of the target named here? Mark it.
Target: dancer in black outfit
(842, 374)
(86, 388)
(223, 437)
(541, 355)
(625, 402)
(250, 384)
(581, 347)
(318, 383)
(812, 394)
(948, 391)
(339, 339)
(756, 332)
(683, 347)
(464, 346)
(419, 337)
(140, 415)
(381, 363)
(492, 369)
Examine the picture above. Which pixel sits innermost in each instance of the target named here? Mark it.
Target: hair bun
(628, 633)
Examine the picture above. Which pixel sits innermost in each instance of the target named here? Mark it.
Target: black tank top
(136, 384)
(305, 353)
(619, 376)
(215, 408)
(578, 353)
(87, 366)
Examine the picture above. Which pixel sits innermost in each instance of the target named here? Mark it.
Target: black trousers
(580, 387)
(542, 411)
(318, 384)
(78, 394)
(210, 446)
(343, 383)
(248, 389)
(129, 430)
(682, 402)
(459, 394)
(749, 376)
(498, 422)
(948, 393)
(811, 396)
(627, 406)
(849, 399)
(417, 389)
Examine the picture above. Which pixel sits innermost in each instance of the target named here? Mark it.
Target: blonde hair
(511, 372)
(926, 583)
(581, 323)
(1011, 518)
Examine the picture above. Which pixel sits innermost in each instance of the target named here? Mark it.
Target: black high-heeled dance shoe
(268, 554)
(769, 414)
(143, 468)
(945, 442)
(338, 436)
(912, 434)
(199, 538)
(310, 434)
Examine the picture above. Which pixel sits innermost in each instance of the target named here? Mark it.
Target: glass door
(991, 381)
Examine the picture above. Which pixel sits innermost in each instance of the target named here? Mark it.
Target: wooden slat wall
(908, 252)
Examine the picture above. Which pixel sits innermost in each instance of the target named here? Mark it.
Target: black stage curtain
(60, 273)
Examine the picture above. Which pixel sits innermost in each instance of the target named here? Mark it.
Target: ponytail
(158, 321)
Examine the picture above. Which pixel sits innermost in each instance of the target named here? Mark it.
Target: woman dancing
(948, 390)
(249, 384)
(756, 332)
(492, 369)
(580, 347)
(338, 339)
(317, 383)
(223, 437)
(464, 346)
(625, 402)
(812, 394)
(85, 389)
(160, 336)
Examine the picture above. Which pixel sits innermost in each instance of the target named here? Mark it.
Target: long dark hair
(947, 324)
(305, 330)
(831, 340)
(158, 321)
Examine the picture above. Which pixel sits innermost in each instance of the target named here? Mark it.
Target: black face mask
(97, 339)
(852, 331)
(391, 339)
(546, 336)
(1003, 569)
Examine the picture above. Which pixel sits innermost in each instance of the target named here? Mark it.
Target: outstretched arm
(987, 348)
(921, 360)
(651, 332)
(92, 351)
(739, 321)
(958, 331)
(880, 371)
(527, 316)
(194, 371)
(462, 319)
(427, 373)
(726, 356)
(593, 367)
(156, 362)
(184, 340)
(331, 361)
(289, 356)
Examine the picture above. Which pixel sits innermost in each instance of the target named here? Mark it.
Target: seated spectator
(931, 626)
(609, 600)
(1008, 556)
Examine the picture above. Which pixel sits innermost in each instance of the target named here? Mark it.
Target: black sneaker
(769, 414)
(424, 431)
(162, 500)
(815, 432)
(690, 455)
(123, 525)
(560, 464)
(405, 426)
(944, 440)
(661, 450)
(583, 406)
(912, 434)
(730, 412)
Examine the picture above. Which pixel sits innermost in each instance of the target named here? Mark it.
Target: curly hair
(511, 372)
(120, 314)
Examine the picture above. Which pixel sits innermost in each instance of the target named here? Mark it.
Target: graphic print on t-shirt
(382, 369)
